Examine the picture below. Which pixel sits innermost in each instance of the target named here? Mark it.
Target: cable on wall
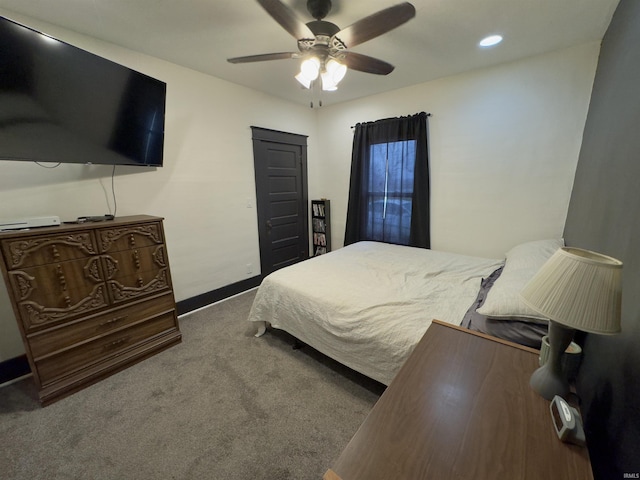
(44, 166)
(113, 190)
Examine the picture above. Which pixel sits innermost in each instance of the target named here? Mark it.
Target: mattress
(368, 304)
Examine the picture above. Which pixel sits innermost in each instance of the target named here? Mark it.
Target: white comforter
(368, 304)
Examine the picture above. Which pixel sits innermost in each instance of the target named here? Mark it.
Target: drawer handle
(112, 321)
(61, 278)
(136, 259)
(116, 344)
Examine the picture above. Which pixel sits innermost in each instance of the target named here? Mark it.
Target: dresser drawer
(41, 250)
(67, 361)
(136, 273)
(53, 293)
(57, 338)
(129, 237)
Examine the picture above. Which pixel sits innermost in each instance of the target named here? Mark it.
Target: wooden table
(461, 408)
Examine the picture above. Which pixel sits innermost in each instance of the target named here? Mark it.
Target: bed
(368, 304)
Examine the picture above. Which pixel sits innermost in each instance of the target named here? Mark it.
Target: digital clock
(566, 421)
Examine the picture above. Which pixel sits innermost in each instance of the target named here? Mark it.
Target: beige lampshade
(579, 289)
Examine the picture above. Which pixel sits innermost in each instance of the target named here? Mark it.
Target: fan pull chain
(315, 87)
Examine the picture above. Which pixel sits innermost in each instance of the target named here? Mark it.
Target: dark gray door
(280, 161)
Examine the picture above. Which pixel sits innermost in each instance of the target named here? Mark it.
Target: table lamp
(577, 290)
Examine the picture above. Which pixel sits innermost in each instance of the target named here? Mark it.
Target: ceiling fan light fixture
(304, 81)
(333, 73)
(321, 43)
(310, 68)
(327, 86)
(336, 70)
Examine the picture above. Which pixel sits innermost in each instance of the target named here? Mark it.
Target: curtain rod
(427, 114)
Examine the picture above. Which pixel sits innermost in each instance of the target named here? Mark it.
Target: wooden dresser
(461, 408)
(90, 299)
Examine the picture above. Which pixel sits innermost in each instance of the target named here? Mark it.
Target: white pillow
(522, 263)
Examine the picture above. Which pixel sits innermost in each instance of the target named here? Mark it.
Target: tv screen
(59, 103)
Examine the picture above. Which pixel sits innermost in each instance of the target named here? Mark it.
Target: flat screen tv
(59, 103)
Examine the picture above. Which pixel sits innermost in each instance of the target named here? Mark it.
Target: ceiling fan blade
(376, 24)
(263, 57)
(364, 63)
(287, 19)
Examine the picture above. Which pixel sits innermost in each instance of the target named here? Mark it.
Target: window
(389, 188)
(390, 192)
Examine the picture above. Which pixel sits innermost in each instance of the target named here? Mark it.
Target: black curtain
(395, 137)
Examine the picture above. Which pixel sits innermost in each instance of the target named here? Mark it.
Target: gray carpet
(221, 405)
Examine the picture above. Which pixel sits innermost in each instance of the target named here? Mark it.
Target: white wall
(202, 191)
(504, 144)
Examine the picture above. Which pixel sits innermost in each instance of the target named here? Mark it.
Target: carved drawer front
(135, 273)
(67, 361)
(56, 292)
(46, 342)
(129, 237)
(40, 250)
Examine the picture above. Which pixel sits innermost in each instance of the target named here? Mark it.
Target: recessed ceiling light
(490, 41)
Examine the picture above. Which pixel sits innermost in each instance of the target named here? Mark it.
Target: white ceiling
(440, 41)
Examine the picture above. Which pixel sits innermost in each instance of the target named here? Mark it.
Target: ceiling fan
(323, 46)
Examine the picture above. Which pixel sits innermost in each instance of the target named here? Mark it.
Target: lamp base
(547, 384)
(550, 379)
(571, 358)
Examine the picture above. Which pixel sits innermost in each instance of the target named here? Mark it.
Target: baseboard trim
(14, 368)
(204, 299)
